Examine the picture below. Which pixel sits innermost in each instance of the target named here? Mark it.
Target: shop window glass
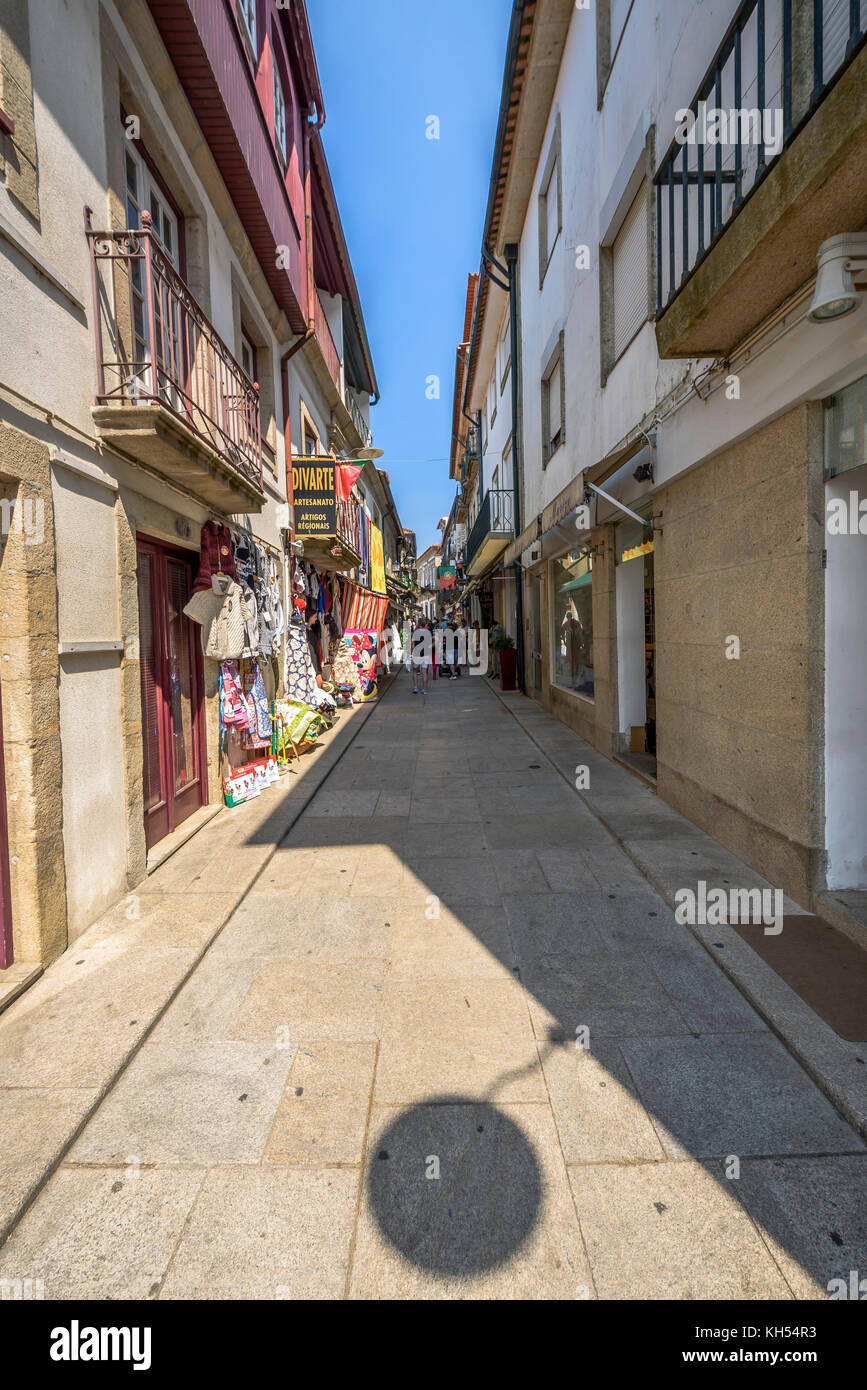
(572, 608)
(846, 429)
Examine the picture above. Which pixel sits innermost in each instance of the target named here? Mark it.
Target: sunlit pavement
(452, 1044)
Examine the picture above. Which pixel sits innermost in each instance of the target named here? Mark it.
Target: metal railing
(361, 426)
(155, 346)
(494, 518)
(347, 524)
(325, 339)
(774, 66)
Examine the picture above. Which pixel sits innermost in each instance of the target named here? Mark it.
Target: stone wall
(29, 688)
(739, 741)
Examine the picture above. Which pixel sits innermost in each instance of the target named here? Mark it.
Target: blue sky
(413, 209)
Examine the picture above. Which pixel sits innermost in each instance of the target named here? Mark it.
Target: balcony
(328, 347)
(349, 430)
(743, 204)
(362, 429)
(170, 393)
(492, 531)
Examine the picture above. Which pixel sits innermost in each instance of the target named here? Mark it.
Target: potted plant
(505, 646)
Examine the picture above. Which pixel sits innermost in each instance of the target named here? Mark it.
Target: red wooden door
(5, 894)
(175, 782)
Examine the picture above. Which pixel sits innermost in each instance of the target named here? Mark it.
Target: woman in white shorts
(420, 658)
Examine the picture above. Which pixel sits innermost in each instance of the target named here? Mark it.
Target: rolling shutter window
(629, 274)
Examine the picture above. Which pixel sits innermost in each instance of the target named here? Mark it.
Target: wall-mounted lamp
(839, 259)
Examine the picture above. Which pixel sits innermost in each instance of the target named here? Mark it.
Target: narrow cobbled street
(453, 1044)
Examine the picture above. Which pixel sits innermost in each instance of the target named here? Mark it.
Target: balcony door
(175, 780)
(143, 192)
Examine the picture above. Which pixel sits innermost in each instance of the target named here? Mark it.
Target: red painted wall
(235, 109)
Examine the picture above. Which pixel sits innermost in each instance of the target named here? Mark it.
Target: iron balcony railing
(494, 518)
(774, 66)
(155, 346)
(361, 426)
(348, 514)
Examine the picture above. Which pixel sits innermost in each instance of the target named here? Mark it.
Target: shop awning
(580, 583)
(571, 497)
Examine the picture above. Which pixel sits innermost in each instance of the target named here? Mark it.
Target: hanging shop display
(362, 648)
(363, 609)
(283, 674)
(377, 561)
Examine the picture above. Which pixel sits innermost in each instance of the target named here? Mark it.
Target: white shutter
(629, 274)
(552, 210)
(554, 401)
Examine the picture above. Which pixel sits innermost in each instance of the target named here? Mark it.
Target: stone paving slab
(313, 1000)
(322, 1115)
(189, 1103)
(266, 1233)
(597, 1111)
(813, 1216)
(36, 1124)
(416, 1069)
(670, 1231)
(102, 1233)
(743, 1095)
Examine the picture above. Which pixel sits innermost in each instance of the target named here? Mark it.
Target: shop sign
(315, 498)
(633, 554)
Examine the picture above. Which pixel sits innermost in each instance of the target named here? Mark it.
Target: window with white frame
(629, 275)
(280, 118)
(492, 395)
(504, 352)
(247, 12)
(611, 20)
(310, 445)
(553, 404)
(550, 204)
(248, 355)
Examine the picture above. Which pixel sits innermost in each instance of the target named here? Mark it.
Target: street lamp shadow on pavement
(454, 1186)
(453, 1182)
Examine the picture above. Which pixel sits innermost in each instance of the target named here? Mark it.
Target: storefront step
(845, 910)
(15, 980)
(185, 832)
